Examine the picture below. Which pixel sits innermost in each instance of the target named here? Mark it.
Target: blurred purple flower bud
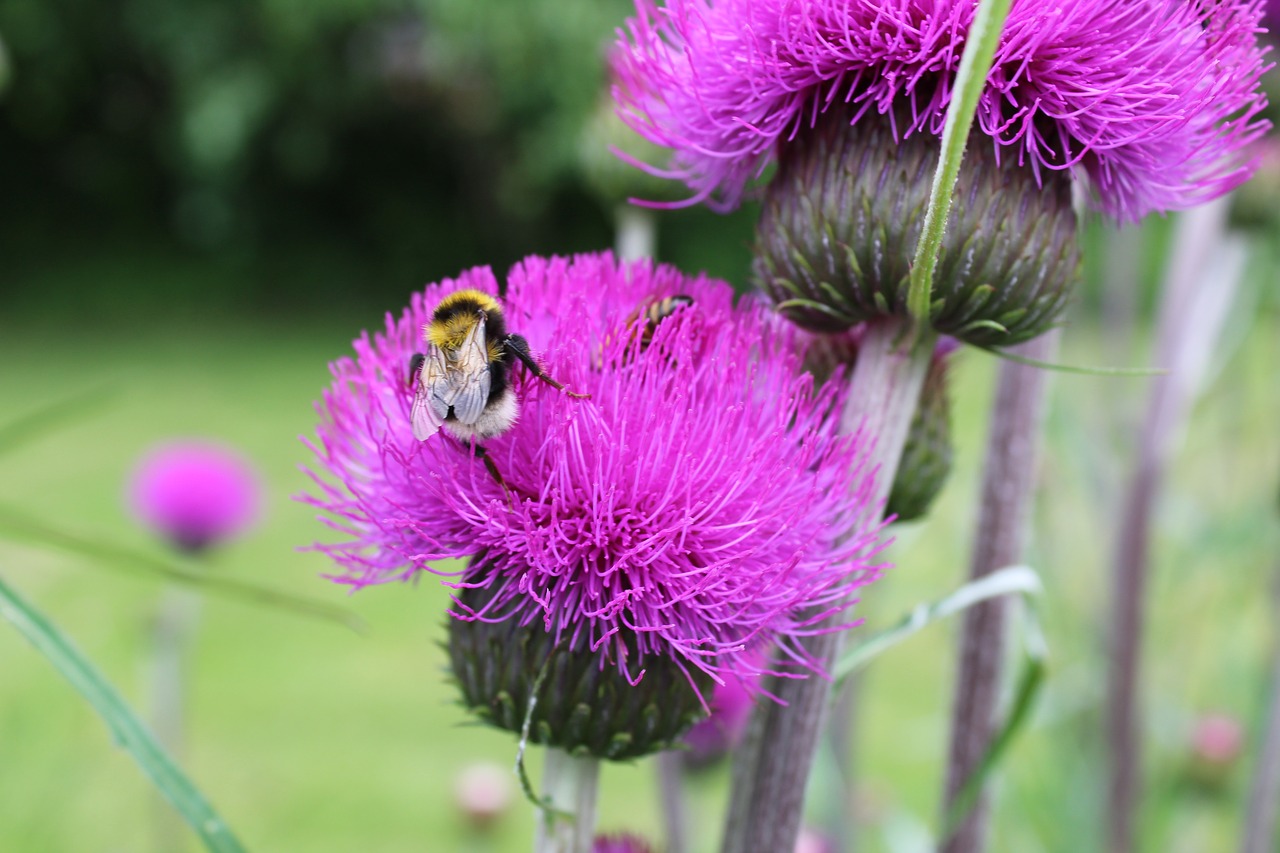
(195, 493)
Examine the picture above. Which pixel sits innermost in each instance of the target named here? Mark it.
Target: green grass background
(308, 737)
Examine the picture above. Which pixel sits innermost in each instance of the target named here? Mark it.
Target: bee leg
(518, 345)
(483, 455)
(415, 367)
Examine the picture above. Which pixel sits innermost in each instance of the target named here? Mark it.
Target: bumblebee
(642, 323)
(464, 379)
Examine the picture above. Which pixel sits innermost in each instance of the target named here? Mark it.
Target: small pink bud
(483, 792)
(812, 841)
(1217, 739)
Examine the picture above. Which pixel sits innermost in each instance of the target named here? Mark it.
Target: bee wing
(470, 379)
(428, 414)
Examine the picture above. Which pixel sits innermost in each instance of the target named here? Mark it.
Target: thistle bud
(842, 217)
(584, 705)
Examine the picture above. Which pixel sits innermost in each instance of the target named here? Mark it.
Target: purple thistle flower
(1151, 102)
(195, 493)
(695, 508)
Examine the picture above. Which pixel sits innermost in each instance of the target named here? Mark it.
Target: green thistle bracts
(926, 458)
(842, 216)
(583, 706)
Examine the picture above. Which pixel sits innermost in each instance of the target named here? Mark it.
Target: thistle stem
(1199, 287)
(636, 234)
(675, 817)
(771, 768)
(1008, 486)
(171, 636)
(570, 786)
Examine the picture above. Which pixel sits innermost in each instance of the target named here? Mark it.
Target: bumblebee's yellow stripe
(483, 301)
(448, 334)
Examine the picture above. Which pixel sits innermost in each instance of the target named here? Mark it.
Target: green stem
(971, 78)
(171, 636)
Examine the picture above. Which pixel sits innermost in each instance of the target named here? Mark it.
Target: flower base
(584, 704)
(843, 215)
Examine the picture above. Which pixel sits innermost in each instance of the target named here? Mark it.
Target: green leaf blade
(126, 729)
(1012, 580)
(52, 417)
(19, 527)
(1020, 580)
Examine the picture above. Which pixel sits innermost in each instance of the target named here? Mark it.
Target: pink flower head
(195, 493)
(695, 507)
(1151, 102)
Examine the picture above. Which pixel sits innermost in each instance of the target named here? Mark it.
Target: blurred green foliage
(339, 149)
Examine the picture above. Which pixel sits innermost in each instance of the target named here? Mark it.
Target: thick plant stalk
(1203, 273)
(636, 233)
(570, 786)
(1264, 795)
(1008, 486)
(771, 768)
